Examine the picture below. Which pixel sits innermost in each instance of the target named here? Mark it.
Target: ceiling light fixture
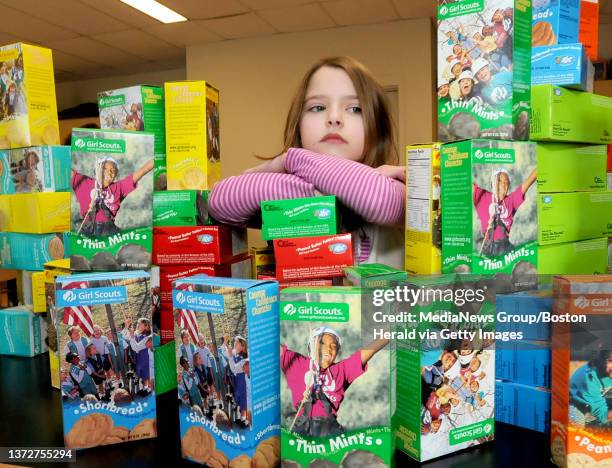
(156, 10)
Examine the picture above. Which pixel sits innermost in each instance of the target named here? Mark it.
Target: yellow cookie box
(53, 269)
(29, 111)
(35, 213)
(192, 135)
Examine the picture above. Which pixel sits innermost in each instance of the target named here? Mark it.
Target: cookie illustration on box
(111, 205)
(484, 69)
(105, 344)
(227, 376)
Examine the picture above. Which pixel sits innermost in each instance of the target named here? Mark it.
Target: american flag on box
(187, 318)
(80, 316)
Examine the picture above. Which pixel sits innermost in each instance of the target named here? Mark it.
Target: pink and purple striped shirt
(376, 198)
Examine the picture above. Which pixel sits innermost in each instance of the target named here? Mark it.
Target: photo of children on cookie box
(105, 343)
(336, 384)
(226, 335)
(484, 69)
(112, 199)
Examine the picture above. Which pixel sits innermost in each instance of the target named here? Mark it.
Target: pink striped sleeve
(236, 200)
(376, 198)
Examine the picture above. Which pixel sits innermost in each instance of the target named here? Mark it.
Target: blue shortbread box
(526, 304)
(525, 362)
(22, 333)
(226, 326)
(20, 251)
(555, 21)
(522, 405)
(564, 65)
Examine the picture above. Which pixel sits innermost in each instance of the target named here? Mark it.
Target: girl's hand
(393, 172)
(274, 165)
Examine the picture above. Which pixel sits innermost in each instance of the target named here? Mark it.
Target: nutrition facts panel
(418, 205)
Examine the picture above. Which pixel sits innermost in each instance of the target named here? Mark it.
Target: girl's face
(465, 85)
(328, 349)
(456, 70)
(201, 342)
(109, 173)
(238, 346)
(435, 425)
(448, 359)
(141, 327)
(498, 16)
(474, 386)
(75, 335)
(503, 184)
(443, 90)
(185, 365)
(90, 351)
(484, 74)
(456, 49)
(474, 364)
(331, 122)
(185, 339)
(97, 332)
(197, 360)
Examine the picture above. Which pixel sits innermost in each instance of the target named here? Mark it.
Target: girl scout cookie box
(101, 318)
(336, 388)
(22, 333)
(194, 245)
(181, 208)
(423, 211)
(138, 108)
(27, 93)
(30, 251)
(562, 65)
(581, 377)
(490, 214)
(570, 217)
(192, 135)
(298, 217)
(226, 335)
(555, 22)
(111, 204)
(571, 167)
(312, 257)
(561, 114)
(35, 213)
(447, 368)
(35, 169)
(484, 69)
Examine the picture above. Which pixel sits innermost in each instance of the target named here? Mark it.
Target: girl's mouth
(333, 138)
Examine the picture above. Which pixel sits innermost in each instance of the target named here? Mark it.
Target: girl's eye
(316, 108)
(355, 109)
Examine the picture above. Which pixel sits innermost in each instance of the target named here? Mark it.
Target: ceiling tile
(201, 9)
(69, 14)
(30, 29)
(6, 39)
(265, 4)
(69, 62)
(297, 18)
(122, 12)
(174, 64)
(141, 44)
(348, 12)
(415, 8)
(184, 34)
(94, 51)
(235, 27)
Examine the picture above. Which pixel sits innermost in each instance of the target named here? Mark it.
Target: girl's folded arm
(236, 199)
(376, 198)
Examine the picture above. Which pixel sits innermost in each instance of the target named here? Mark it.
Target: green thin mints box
(562, 114)
(138, 108)
(588, 257)
(569, 217)
(490, 213)
(299, 217)
(181, 208)
(570, 167)
(484, 69)
(446, 399)
(373, 275)
(336, 388)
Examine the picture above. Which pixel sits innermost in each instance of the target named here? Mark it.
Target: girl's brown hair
(379, 145)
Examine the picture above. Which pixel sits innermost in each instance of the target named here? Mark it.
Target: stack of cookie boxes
(34, 180)
(572, 128)
(308, 250)
(523, 367)
(104, 313)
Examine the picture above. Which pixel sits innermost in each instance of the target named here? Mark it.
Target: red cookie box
(300, 283)
(312, 257)
(194, 245)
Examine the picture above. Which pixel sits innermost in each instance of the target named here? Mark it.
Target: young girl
(187, 349)
(100, 342)
(77, 343)
(338, 141)
(95, 367)
(318, 383)
(81, 375)
(190, 382)
(207, 359)
(237, 358)
(496, 210)
(138, 343)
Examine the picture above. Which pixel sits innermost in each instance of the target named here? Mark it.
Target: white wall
(73, 93)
